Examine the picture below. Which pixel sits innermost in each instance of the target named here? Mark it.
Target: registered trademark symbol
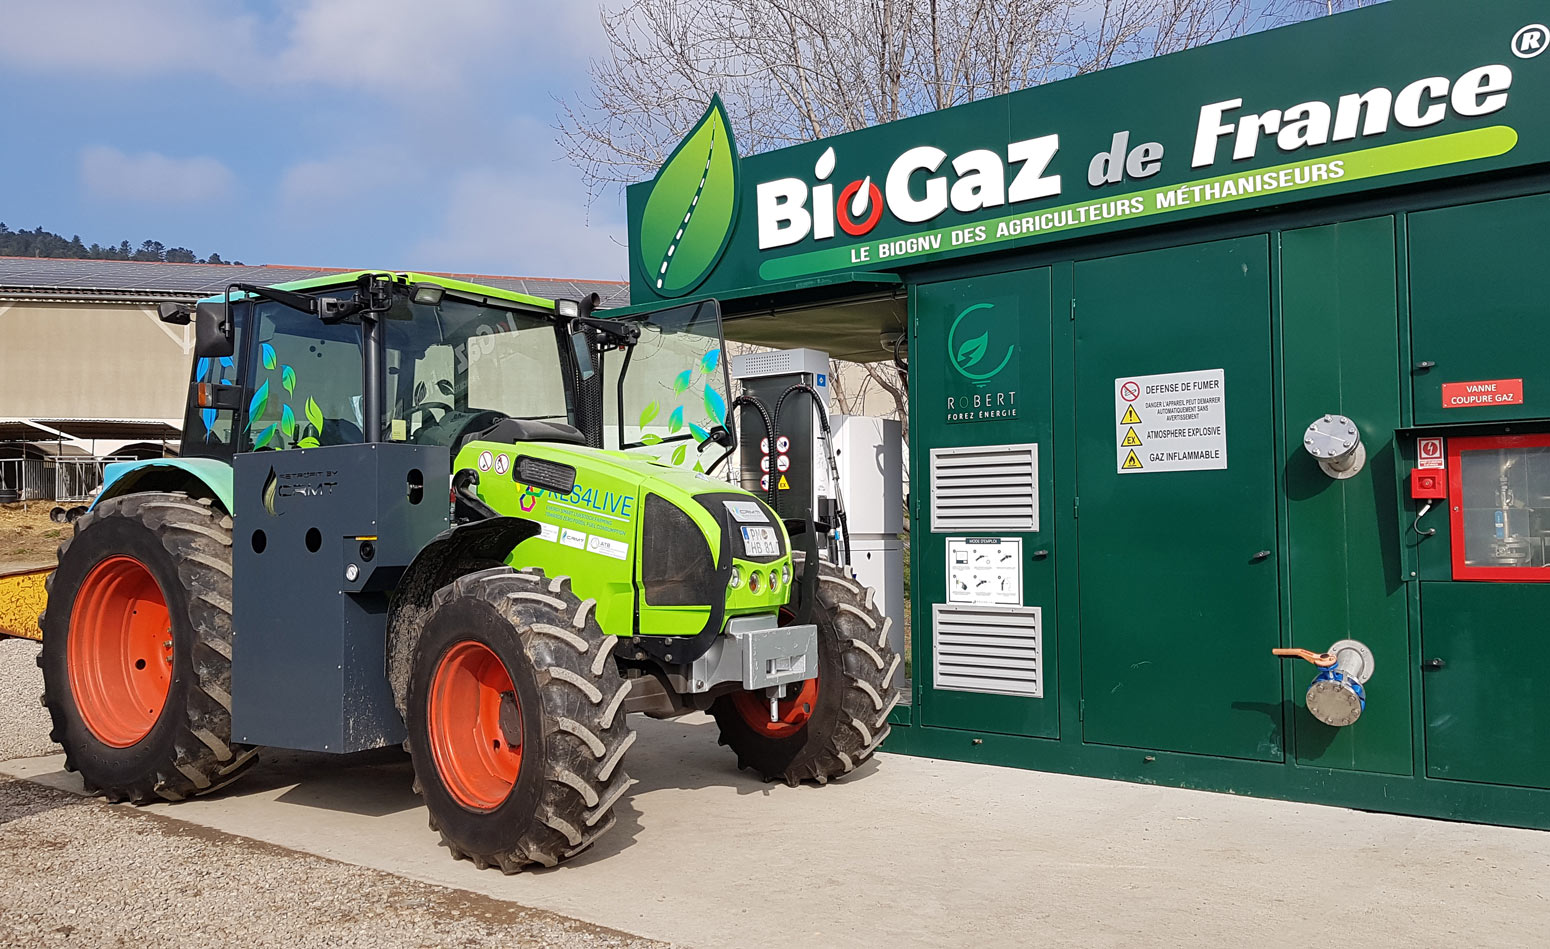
(1530, 41)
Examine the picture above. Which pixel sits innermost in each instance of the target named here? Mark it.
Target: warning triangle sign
(1131, 461)
(1130, 440)
(784, 484)
(1131, 418)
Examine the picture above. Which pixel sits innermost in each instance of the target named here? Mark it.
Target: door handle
(1262, 555)
(1040, 554)
(1433, 664)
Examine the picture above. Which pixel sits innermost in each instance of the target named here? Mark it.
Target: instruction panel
(985, 570)
(1173, 421)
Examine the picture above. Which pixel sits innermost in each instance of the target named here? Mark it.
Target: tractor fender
(196, 477)
(451, 554)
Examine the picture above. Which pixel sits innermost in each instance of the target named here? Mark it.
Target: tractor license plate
(760, 542)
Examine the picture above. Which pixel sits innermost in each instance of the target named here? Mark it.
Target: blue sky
(349, 133)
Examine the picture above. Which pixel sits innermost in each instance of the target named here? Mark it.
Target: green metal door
(1477, 311)
(980, 407)
(1176, 519)
(1486, 715)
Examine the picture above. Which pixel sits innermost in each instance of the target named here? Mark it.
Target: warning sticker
(985, 570)
(1429, 453)
(1173, 421)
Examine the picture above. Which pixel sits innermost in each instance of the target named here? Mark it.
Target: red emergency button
(1428, 484)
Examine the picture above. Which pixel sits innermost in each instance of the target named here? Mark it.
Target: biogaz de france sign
(1399, 92)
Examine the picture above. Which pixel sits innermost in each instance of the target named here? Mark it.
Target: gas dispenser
(846, 473)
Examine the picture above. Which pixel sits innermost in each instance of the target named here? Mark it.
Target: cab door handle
(1433, 664)
(1261, 555)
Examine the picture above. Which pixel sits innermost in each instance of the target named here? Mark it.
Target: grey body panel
(309, 659)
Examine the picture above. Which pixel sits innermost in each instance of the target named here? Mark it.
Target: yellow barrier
(22, 597)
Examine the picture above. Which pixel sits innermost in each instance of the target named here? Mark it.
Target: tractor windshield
(666, 394)
(447, 366)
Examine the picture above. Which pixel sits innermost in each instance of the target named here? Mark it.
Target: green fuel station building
(1239, 349)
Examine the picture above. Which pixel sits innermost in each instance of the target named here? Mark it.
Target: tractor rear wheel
(136, 652)
(827, 726)
(516, 720)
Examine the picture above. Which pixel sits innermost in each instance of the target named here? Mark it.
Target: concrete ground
(919, 852)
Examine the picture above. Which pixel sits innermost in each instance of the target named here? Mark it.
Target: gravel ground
(78, 872)
(23, 722)
(82, 873)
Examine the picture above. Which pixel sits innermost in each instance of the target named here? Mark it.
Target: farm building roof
(69, 280)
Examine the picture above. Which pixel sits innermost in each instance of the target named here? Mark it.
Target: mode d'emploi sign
(1391, 94)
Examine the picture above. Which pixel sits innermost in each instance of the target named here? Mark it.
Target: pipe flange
(1345, 664)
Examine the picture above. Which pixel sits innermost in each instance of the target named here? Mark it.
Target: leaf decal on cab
(651, 439)
(691, 208)
(973, 350)
(681, 381)
(314, 416)
(699, 433)
(287, 421)
(202, 368)
(648, 413)
(710, 361)
(267, 351)
(288, 379)
(264, 437)
(308, 442)
(715, 406)
(675, 421)
(257, 405)
(678, 454)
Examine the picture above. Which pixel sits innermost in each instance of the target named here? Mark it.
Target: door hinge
(1073, 308)
(1076, 507)
(1081, 710)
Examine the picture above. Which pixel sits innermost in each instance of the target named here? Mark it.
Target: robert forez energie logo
(980, 347)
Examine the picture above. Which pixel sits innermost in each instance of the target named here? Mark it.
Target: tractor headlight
(785, 573)
(736, 579)
(774, 581)
(753, 581)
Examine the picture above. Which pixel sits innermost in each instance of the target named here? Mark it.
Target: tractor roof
(461, 287)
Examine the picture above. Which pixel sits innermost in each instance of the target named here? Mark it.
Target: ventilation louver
(995, 649)
(985, 488)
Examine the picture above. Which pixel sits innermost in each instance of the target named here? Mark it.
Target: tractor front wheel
(826, 726)
(516, 720)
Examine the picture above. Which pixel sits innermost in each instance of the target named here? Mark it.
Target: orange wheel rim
(119, 651)
(791, 713)
(471, 694)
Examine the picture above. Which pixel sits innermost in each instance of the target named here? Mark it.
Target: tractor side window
(675, 390)
(305, 382)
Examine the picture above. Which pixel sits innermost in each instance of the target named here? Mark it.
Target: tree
(179, 255)
(791, 71)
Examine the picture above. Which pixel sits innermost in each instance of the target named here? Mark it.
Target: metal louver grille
(985, 488)
(995, 649)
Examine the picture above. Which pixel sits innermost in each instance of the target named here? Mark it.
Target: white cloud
(346, 175)
(152, 177)
(390, 47)
(525, 223)
(128, 37)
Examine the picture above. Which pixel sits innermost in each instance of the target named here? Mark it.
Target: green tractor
(478, 523)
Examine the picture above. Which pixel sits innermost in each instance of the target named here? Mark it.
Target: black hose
(828, 447)
(769, 432)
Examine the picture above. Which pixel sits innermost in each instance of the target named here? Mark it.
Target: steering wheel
(426, 407)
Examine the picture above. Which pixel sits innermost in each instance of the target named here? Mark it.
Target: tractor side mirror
(582, 347)
(175, 313)
(212, 330)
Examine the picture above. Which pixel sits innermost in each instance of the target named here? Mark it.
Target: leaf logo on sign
(692, 206)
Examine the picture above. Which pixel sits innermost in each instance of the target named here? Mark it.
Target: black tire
(850, 721)
(185, 544)
(571, 698)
